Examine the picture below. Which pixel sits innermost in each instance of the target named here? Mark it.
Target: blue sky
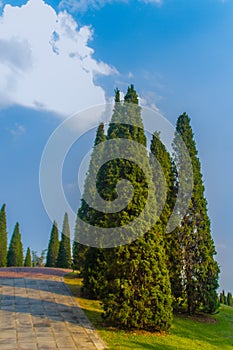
(179, 55)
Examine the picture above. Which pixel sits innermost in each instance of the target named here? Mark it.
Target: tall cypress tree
(15, 251)
(3, 237)
(28, 258)
(137, 291)
(200, 270)
(229, 299)
(53, 247)
(90, 258)
(163, 167)
(64, 253)
(223, 298)
(85, 212)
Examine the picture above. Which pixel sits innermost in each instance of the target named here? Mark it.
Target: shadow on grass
(141, 345)
(185, 331)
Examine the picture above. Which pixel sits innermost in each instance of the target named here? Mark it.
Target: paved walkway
(38, 312)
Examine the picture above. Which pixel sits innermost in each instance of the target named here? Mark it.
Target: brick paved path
(38, 312)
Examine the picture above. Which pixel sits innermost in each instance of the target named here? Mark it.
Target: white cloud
(152, 1)
(45, 60)
(84, 5)
(18, 130)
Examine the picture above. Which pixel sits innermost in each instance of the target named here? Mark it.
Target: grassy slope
(184, 334)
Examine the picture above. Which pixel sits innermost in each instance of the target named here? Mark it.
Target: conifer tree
(64, 253)
(28, 258)
(200, 270)
(223, 298)
(15, 251)
(3, 237)
(88, 259)
(229, 299)
(137, 290)
(163, 167)
(85, 212)
(53, 247)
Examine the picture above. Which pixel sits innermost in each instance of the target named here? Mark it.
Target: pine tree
(28, 258)
(86, 213)
(15, 252)
(223, 298)
(53, 247)
(229, 299)
(137, 290)
(200, 270)
(64, 253)
(163, 168)
(3, 237)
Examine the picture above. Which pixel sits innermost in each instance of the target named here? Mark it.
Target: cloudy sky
(57, 58)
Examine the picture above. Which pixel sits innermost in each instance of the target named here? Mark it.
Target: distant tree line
(12, 255)
(226, 299)
(58, 252)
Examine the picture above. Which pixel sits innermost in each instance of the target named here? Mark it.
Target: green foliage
(200, 270)
(38, 260)
(88, 214)
(222, 298)
(15, 252)
(53, 247)
(136, 288)
(28, 259)
(3, 237)
(226, 299)
(163, 168)
(64, 253)
(229, 299)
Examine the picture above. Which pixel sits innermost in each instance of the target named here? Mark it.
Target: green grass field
(214, 332)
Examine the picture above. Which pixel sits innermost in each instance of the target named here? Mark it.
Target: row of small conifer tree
(58, 252)
(12, 255)
(226, 299)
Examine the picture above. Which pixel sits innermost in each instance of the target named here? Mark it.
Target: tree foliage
(53, 247)
(64, 253)
(200, 270)
(15, 252)
(226, 299)
(87, 213)
(28, 258)
(134, 278)
(3, 237)
(137, 281)
(163, 169)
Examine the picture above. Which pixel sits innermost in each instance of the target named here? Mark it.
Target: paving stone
(38, 314)
(28, 346)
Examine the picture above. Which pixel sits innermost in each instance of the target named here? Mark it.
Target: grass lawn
(215, 332)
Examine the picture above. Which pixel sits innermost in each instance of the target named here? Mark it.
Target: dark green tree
(137, 291)
(64, 253)
(3, 237)
(28, 258)
(86, 213)
(229, 299)
(53, 247)
(163, 169)
(200, 270)
(15, 251)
